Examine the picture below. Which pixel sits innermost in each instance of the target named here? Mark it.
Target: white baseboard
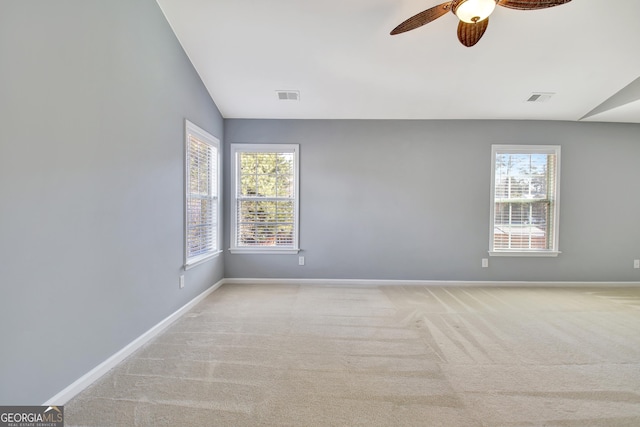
(452, 283)
(90, 377)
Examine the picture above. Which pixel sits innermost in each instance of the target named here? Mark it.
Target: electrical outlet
(485, 262)
(636, 263)
(182, 281)
(300, 260)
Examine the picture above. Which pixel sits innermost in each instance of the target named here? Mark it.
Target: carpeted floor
(328, 355)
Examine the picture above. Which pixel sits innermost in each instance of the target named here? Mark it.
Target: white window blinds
(202, 201)
(525, 199)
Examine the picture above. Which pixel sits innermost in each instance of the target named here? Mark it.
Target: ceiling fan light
(472, 11)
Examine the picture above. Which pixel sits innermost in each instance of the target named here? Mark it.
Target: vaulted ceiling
(339, 56)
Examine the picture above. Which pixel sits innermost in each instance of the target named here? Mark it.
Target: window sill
(200, 260)
(265, 251)
(526, 253)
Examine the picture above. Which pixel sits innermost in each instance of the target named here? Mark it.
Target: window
(202, 201)
(264, 213)
(524, 200)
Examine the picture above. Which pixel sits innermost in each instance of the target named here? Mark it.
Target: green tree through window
(266, 197)
(525, 199)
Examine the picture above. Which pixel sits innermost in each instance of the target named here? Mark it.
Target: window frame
(202, 136)
(237, 148)
(553, 251)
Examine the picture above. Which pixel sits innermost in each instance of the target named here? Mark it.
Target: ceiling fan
(473, 15)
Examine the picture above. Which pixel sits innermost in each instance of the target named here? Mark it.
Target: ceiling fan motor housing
(473, 11)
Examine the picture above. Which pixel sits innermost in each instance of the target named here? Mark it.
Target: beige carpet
(330, 355)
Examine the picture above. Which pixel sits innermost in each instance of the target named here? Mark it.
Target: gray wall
(410, 200)
(93, 96)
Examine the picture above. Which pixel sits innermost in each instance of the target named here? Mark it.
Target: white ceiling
(340, 56)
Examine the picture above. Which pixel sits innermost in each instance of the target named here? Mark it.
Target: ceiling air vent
(540, 96)
(290, 95)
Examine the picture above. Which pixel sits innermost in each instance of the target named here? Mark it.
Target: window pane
(201, 208)
(248, 163)
(265, 212)
(200, 161)
(285, 163)
(248, 186)
(524, 200)
(284, 211)
(265, 222)
(284, 236)
(200, 220)
(266, 185)
(284, 186)
(266, 163)
(257, 234)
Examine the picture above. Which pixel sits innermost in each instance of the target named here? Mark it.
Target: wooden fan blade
(422, 18)
(531, 4)
(470, 34)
